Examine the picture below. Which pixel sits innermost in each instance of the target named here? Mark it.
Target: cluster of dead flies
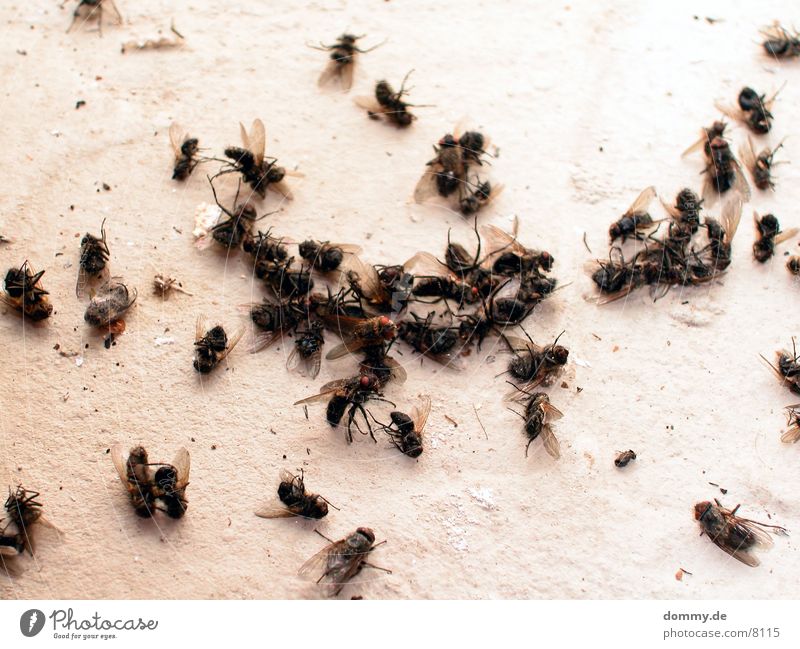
(357, 310)
(687, 247)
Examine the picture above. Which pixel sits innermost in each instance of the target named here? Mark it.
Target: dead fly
(787, 368)
(780, 42)
(358, 333)
(792, 433)
(509, 257)
(233, 230)
(437, 343)
(624, 458)
(707, 135)
(186, 149)
(258, 172)
(407, 431)
(384, 288)
(170, 482)
(264, 247)
(720, 235)
(93, 9)
(447, 170)
(93, 265)
(388, 103)
(384, 368)
(477, 194)
(25, 293)
(687, 209)
(793, 265)
(759, 165)
(753, 110)
(285, 281)
(735, 535)
(723, 173)
(273, 319)
(768, 235)
(146, 487)
(343, 54)
(306, 356)
(636, 218)
(340, 561)
(298, 502)
(212, 345)
(349, 396)
(106, 308)
(325, 256)
(23, 513)
(533, 365)
(163, 285)
(539, 414)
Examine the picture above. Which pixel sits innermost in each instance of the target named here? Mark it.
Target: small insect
(343, 54)
(170, 482)
(388, 104)
(687, 208)
(446, 173)
(793, 264)
(533, 365)
(306, 356)
(759, 165)
(93, 265)
(438, 343)
(476, 195)
(325, 256)
(624, 458)
(107, 308)
(232, 231)
(707, 135)
(539, 414)
(163, 285)
(285, 281)
(23, 514)
(274, 319)
(93, 9)
(186, 149)
(212, 346)
(635, 219)
(788, 367)
(509, 257)
(264, 247)
(753, 110)
(341, 560)
(720, 235)
(780, 42)
(723, 173)
(735, 535)
(258, 172)
(407, 431)
(768, 235)
(298, 502)
(146, 488)
(25, 293)
(358, 333)
(792, 433)
(349, 396)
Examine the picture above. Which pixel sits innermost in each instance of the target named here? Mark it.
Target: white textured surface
(679, 381)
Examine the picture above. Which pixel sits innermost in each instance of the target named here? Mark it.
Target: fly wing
(273, 511)
(733, 112)
(347, 347)
(319, 564)
(399, 374)
(550, 442)
(324, 392)
(329, 73)
(702, 140)
(370, 104)
(551, 412)
(367, 276)
(420, 412)
(200, 327)
(748, 154)
(177, 136)
(87, 282)
(120, 463)
(233, 339)
(426, 186)
(258, 141)
(740, 184)
(346, 73)
(282, 188)
(642, 202)
(498, 240)
(182, 464)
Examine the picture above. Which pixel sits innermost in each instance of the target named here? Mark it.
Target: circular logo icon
(31, 622)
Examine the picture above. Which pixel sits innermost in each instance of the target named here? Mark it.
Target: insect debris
(24, 293)
(296, 500)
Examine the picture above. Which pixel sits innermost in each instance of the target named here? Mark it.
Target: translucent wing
(734, 112)
(399, 374)
(367, 276)
(347, 347)
(420, 412)
(255, 141)
(740, 184)
(88, 283)
(263, 339)
(643, 201)
(498, 240)
(329, 73)
(346, 73)
(182, 464)
(748, 154)
(370, 104)
(318, 564)
(424, 263)
(177, 136)
(550, 442)
(325, 391)
(282, 188)
(274, 511)
(200, 328)
(120, 463)
(233, 339)
(426, 185)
